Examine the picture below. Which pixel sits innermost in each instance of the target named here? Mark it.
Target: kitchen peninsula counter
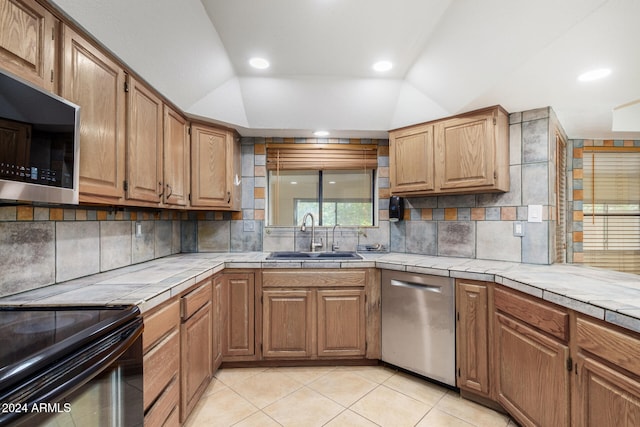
(608, 295)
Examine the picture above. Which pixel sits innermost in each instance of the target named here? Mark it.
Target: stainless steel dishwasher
(418, 324)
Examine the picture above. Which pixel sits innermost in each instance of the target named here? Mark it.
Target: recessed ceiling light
(259, 63)
(321, 133)
(294, 182)
(332, 182)
(382, 66)
(597, 74)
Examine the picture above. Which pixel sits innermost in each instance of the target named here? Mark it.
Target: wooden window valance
(321, 156)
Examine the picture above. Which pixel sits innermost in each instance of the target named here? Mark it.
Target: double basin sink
(294, 256)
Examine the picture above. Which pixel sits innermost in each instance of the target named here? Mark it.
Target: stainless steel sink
(286, 255)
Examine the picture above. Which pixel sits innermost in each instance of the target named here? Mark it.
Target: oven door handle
(53, 384)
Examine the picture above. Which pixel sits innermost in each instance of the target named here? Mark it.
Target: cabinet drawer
(620, 349)
(164, 408)
(195, 299)
(161, 364)
(545, 317)
(159, 324)
(313, 278)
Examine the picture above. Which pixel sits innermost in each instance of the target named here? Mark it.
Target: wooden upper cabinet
(176, 158)
(144, 148)
(411, 150)
(96, 83)
(215, 165)
(28, 39)
(468, 153)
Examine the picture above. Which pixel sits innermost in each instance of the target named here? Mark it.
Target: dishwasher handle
(418, 286)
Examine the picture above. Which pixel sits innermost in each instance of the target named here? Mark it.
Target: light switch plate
(535, 213)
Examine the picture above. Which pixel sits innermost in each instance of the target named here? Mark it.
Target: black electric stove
(48, 353)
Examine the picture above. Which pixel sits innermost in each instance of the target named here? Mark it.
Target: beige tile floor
(336, 397)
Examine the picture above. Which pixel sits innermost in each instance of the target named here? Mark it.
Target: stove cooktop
(29, 334)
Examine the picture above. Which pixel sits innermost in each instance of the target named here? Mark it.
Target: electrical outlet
(518, 229)
(138, 229)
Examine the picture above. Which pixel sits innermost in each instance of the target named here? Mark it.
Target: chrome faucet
(334, 246)
(303, 227)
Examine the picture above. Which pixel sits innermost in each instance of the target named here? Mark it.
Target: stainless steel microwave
(39, 144)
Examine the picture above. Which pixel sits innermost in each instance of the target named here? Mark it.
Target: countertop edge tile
(574, 304)
(622, 320)
(522, 287)
(472, 276)
(427, 270)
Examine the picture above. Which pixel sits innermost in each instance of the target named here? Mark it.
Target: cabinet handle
(170, 191)
(161, 189)
(228, 196)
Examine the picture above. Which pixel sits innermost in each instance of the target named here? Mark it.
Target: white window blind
(611, 227)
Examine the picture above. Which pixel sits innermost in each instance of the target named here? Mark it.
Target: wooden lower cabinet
(531, 351)
(472, 336)
(341, 322)
(195, 348)
(607, 380)
(288, 323)
(319, 314)
(238, 294)
(216, 326)
(532, 376)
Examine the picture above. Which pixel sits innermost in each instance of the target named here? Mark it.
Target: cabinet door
(606, 397)
(216, 330)
(411, 163)
(28, 40)
(144, 148)
(196, 360)
(465, 152)
(341, 323)
(212, 164)
(96, 83)
(472, 336)
(176, 158)
(238, 305)
(288, 327)
(532, 376)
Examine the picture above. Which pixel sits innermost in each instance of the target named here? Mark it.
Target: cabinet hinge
(189, 131)
(125, 185)
(53, 34)
(51, 76)
(126, 86)
(495, 121)
(458, 316)
(459, 375)
(495, 175)
(189, 196)
(569, 364)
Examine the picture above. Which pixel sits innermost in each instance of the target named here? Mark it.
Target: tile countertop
(604, 294)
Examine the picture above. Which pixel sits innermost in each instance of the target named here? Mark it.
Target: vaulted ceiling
(449, 56)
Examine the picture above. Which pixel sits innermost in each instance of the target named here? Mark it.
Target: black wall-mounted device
(396, 208)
